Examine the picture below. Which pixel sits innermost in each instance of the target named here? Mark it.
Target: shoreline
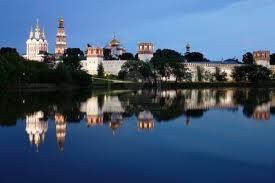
(112, 86)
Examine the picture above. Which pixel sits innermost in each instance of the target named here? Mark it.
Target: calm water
(225, 135)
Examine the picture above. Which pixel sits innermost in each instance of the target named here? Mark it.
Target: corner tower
(145, 51)
(94, 58)
(262, 58)
(61, 40)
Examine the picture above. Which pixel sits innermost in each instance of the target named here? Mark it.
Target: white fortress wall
(211, 67)
(113, 66)
(145, 57)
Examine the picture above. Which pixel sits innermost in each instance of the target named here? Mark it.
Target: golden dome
(114, 42)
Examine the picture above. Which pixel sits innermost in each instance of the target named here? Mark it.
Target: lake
(199, 135)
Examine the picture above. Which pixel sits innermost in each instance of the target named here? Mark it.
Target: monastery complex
(109, 55)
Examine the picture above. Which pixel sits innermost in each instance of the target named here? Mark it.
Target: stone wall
(211, 67)
(113, 66)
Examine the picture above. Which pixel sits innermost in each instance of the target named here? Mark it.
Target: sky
(220, 29)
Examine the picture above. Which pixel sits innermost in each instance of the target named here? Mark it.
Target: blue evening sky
(218, 28)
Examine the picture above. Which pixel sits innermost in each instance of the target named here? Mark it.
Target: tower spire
(31, 33)
(37, 22)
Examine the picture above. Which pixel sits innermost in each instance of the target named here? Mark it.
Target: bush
(252, 73)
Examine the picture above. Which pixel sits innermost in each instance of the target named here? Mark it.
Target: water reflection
(36, 128)
(145, 121)
(113, 109)
(61, 127)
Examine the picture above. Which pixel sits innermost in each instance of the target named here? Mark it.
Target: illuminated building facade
(61, 40)
(36, 45)
(36, 128)
(145, 51)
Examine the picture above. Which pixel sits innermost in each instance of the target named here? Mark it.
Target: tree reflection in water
(111, 109)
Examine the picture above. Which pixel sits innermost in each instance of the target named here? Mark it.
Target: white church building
(36, 45)
(95, 56)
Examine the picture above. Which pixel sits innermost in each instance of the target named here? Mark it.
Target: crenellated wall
(110, 66)
(113, 66)
(211, 67)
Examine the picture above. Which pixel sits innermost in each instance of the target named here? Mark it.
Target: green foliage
(248, 58)
(195, 57)
(208, 76)
(72, 58)
(162, 60)
(100, 70)
(164, 64)
(180, 72)
(9, 51)
(252, 73)
(15, 70)
(135, 71)
(220, 76)
(200, 73)
(127, 56)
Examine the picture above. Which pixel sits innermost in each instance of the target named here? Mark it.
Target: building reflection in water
(95, 109)
(145, 121)
(94, 114)
(36, 128)
(61, 127)
(165, 106)
(115, 122)
(262, 112)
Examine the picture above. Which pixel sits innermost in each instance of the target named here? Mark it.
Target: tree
(248, 58)
(272, 59)
(72, 58)
(136, 71)
(48, 58)
(252, 73)
(8, 51)
(195, 57)
(180, 72)
(208, 76)
(127, 56)
(162, 61)
(200, 72)
(100, 70)
(220, 76)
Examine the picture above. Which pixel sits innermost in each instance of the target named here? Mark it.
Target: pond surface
(206, 135)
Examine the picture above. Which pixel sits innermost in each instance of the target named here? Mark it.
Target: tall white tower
(61, 41)
(94, 58)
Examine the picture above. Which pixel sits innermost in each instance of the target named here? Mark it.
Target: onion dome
(114, 42)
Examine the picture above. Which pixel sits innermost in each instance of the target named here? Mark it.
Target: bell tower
(61, 41)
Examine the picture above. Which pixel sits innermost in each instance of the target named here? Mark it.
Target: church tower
(61, 42)
(37, 44)
(61, 126)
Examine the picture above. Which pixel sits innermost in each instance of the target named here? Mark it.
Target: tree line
(166, 63)
(15, 70)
